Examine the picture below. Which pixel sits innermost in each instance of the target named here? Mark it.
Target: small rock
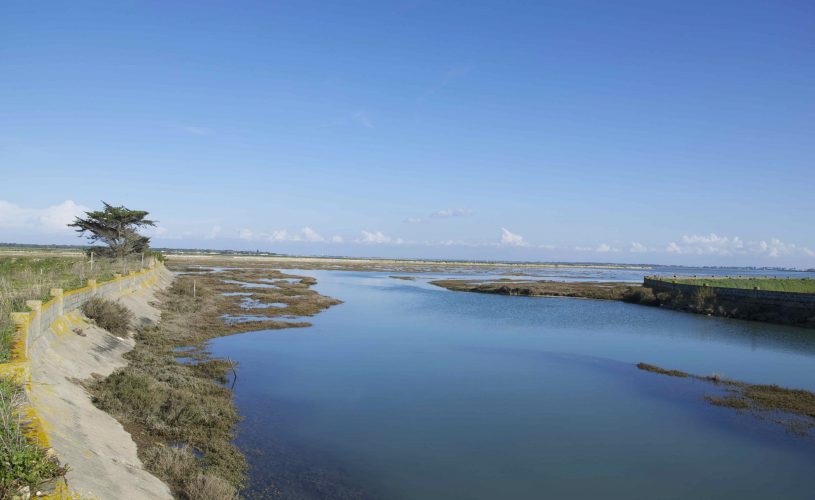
(23, 493)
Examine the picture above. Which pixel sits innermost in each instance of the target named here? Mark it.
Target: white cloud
(53, 219)
(637, 247)
(605, 248)
(279, 235)
(711, 244)
(377, 237)
(155, 231)
(309, 234)
(441, 214)
(213, 233)
(246, 234)
(714, 244)
(512, 239)
(777, 248)
(452, 212)
(336, 239)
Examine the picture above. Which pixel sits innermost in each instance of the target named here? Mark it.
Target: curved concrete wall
(30, 327)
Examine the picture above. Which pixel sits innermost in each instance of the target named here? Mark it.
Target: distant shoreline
(11, 249)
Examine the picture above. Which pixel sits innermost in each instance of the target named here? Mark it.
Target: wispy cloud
(53, 219)
(363, 118)
(637, 247)
(713, 244)
(378, 238)
(213, 232)
(710, 244)
(452, 212)
(511, 239)
(194, 129)
(605, 248)
(305, 234)
(441, 214)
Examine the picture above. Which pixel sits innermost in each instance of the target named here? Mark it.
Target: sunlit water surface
(409, 391)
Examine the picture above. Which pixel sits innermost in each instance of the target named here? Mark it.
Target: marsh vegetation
(542, 288)
(793, 408)
(180, 412)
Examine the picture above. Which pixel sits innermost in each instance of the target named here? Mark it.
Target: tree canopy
(117, 227)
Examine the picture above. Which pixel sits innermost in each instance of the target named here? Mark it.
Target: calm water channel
(411, 391)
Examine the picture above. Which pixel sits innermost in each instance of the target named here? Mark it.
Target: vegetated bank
(793, 408)
(540, 288)
(172, 396)
(773, 300)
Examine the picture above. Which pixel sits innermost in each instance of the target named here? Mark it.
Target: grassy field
(31, 277)
(798, 285)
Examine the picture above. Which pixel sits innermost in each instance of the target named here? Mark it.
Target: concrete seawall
(54, 347)
(762, 305)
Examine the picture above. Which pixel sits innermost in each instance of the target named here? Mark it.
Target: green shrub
(22, 463)
(6, 337)
(109, 315)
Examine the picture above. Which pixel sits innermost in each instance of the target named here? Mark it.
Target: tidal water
(410, 391)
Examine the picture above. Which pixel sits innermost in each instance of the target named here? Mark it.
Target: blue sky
(667, 132)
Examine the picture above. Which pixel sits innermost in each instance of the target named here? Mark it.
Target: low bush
(109, 315)
(643, 296)
(209, 487)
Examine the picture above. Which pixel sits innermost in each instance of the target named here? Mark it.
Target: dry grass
(32, 278)
(208, 487)
(109, 315)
